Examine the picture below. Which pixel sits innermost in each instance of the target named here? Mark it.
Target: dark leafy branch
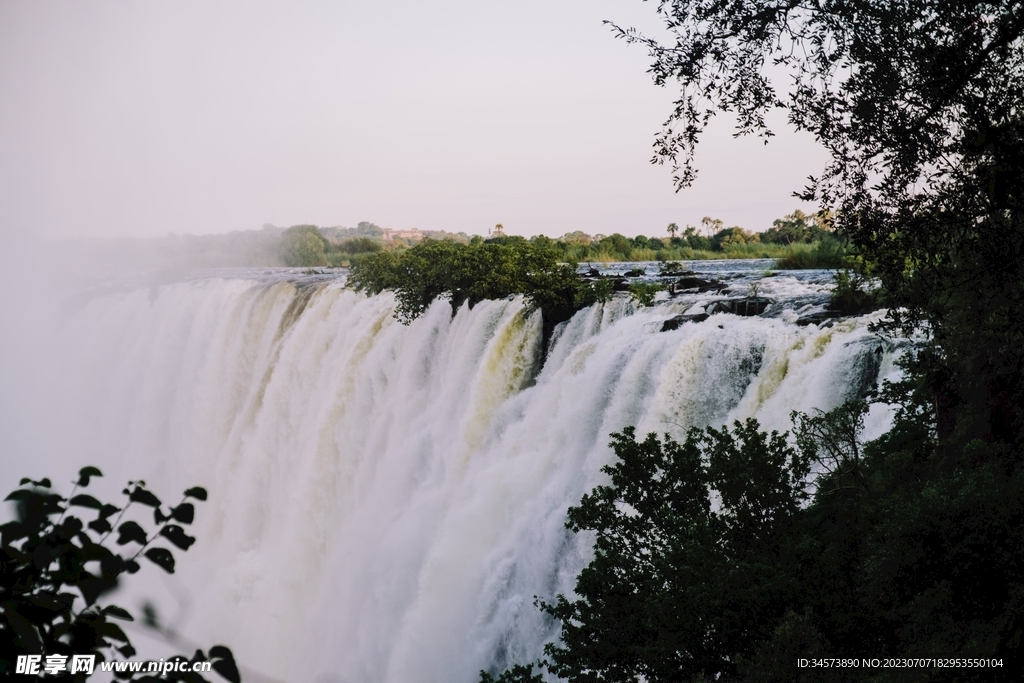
(55, 568)
(734, 553)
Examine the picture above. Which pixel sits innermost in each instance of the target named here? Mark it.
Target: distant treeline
(795, 241)
(798, 240)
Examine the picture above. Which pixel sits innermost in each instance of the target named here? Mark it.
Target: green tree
(679, 588)
(789, 229)
(474, 272)
(695, 240)
(734, 235)
(576, 237)
(711, 226)
(359, 245)
(828, 547)
(617, 245)
(303, 245)
(643, 293)
(799, 227)
(50, 558)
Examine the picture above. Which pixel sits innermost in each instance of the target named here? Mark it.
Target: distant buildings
(414, 234)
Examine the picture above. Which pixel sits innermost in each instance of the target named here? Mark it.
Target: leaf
(177, 536)
(85, 473)
(107, 510)
(13, 531)
(197, 492)
(159, 517)
(127, 651)
(224, 663)
(141, 495)
(86, 501)
(24, 480)
(112, 630)
(130, 531)
(19, 494)
(131, 566)
(47, 602)
(183, 513)
(44, 554)
(44, 483)
(117, 613)
(100, 526)
(25, 633)
(112, 565)
(94, 551)
(162, 557)
(94, 586)
(150, 617)
(70, 526)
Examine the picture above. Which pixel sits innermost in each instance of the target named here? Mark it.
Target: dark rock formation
(676, 322)
(818, 318)
(747, 306)
(698, 284)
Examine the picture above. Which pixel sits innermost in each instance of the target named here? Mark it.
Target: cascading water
(386, 500)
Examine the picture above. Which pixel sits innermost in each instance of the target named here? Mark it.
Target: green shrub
(358, 245)
(475, 272)
(303, 246)
(850, 296)
(644, 292)
(825, 253)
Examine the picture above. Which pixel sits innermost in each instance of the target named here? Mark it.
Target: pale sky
(141, 118)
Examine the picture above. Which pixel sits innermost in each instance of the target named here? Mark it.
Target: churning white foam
(386, 500)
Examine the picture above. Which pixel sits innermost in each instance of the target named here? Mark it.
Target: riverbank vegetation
(470, 273)
(797, 240)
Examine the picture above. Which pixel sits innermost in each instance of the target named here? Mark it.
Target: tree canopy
(303, 245)
(691, 583)
(919, 105)
(898, 92)
(470, 273)
(734, 554)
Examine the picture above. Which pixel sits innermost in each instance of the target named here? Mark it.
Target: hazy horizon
(138, 120)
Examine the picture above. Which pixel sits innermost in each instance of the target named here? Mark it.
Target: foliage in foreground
(824, 548)
(689, 584)
(55, 568)
(471, 273)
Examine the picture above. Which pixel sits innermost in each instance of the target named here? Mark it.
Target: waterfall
(387, 500)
